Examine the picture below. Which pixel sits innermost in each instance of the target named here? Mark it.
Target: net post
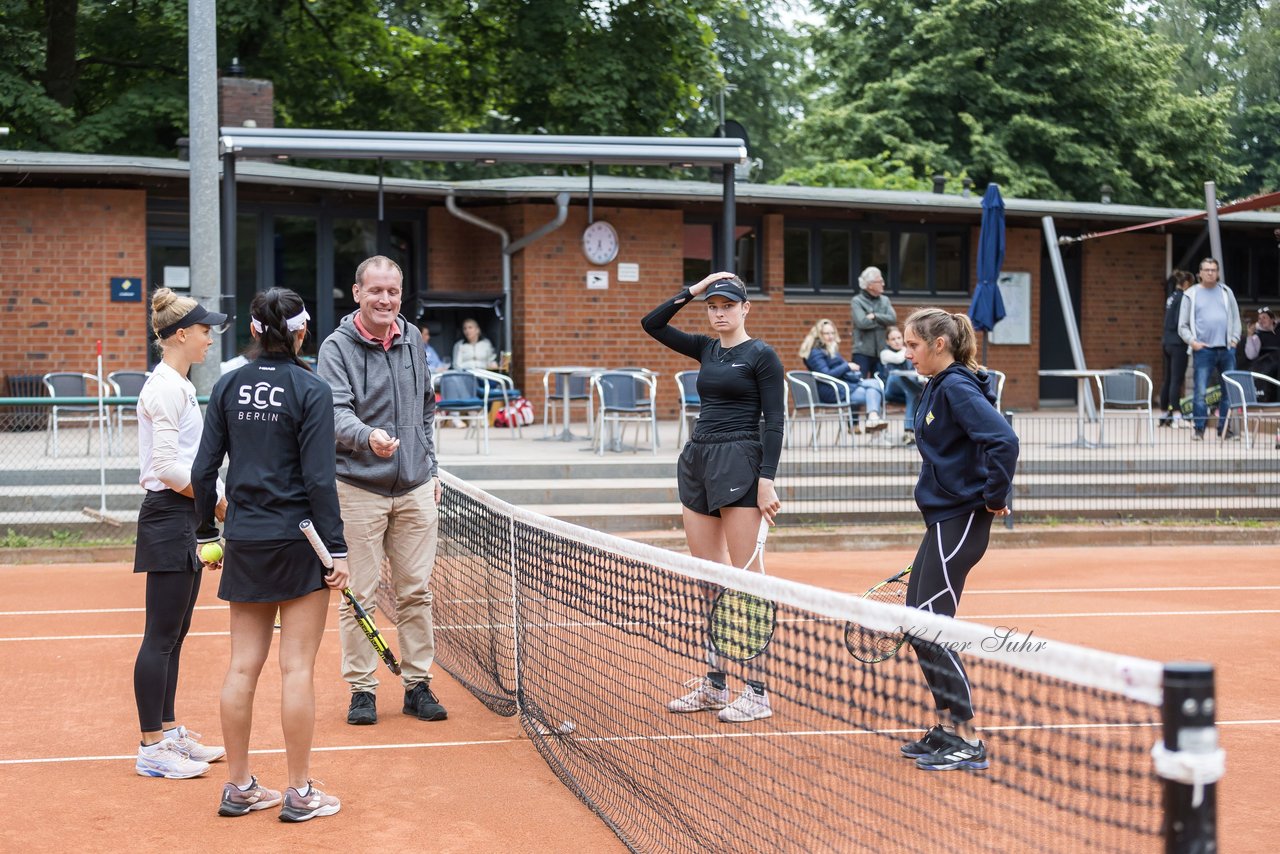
(1190, 809)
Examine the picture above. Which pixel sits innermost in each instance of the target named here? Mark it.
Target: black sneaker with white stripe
(955, 755)
(933, 739)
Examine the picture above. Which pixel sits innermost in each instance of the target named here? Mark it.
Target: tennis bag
(519, 413)
(1212, 395)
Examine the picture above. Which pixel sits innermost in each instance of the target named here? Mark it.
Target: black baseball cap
(730, 288)
(214, 319)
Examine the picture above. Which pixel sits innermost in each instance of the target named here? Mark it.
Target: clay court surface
(69, 633)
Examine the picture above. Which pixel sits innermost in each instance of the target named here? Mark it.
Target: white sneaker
(703, 697)
(188, 743)
(875, 422)
(166, 760)
(749, 706)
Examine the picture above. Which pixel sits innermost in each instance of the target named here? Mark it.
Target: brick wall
(1122, 302)
(59, 250)
(242, 99)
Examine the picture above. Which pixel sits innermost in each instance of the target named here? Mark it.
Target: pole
(1215, 236)
(729, 225)
(202, 95)
(1190, 809)
(1064, 299)
(228, 347)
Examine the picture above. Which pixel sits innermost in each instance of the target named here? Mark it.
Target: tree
(1050, 99)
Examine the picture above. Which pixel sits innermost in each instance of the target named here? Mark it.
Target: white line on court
(980, 617)
(707, 736)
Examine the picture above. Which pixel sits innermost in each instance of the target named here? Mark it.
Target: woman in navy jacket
(821, 353)
(968, 453)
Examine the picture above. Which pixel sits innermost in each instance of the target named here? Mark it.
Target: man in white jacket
(1210, 324)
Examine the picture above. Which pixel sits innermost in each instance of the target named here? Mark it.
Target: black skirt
(166, 534)
(269, 571)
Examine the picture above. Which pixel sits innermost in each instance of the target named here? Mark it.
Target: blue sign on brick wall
(126, 290)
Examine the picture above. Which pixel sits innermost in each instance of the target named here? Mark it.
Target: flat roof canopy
(678, 152)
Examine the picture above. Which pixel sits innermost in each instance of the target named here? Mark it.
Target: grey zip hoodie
(390, 389)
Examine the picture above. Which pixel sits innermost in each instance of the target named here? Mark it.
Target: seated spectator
(899, 388)
(1262, 350)
(474, 350)
(821, 354)
(434, 362)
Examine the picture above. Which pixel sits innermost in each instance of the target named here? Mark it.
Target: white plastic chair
(501, 387)
(463, 396)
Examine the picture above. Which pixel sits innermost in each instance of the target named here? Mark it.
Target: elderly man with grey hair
(873, 314)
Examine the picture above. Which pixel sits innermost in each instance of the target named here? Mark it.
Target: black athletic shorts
(269, 571)
(719, 470)
(166, 540)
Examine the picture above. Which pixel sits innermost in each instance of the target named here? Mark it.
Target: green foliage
(1050, 99)
(882, 172)
(14, 540)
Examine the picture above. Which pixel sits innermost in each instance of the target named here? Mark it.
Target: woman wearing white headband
(273, 419)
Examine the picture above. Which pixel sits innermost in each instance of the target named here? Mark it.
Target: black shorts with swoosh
(719, 470)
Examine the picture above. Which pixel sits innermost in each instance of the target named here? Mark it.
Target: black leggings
(1175, 371)
(171, 598)
(950, 549)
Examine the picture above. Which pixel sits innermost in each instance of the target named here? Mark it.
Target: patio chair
(465, 397)
(72, 384)
(621, 404)
(501, 388)
(690, 402)
(807, 404)
(1125, 389)
(126, 384)
(1241, 388)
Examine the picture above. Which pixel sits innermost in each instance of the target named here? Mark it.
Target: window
(1250, 262)
(827, 257)
(702, 251)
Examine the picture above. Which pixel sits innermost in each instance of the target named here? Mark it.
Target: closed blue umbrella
(987, 307)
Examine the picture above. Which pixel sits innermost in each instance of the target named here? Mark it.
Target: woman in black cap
(727, 469)
(169, 428)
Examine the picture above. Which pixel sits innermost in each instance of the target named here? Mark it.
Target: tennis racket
(872, 646)
(742, 624)
(362, 616)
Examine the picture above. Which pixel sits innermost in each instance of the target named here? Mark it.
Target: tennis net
(587, 636)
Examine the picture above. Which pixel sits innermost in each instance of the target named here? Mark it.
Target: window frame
(893, 275)
(717, 246)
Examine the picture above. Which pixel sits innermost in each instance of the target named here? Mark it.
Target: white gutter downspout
(509, 248)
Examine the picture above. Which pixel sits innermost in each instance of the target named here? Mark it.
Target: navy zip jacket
(969, 451)
(279, 417)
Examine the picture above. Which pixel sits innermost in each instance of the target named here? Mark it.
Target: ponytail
(962, 342)
(270, 313)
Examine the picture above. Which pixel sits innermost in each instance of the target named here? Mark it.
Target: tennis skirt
(719, 470)
(166, 534)
(269, 571)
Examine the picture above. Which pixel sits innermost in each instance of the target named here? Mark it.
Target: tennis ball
(211, 553)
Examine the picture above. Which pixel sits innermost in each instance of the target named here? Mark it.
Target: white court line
(980, 617)
(979, 592)
(707, 736)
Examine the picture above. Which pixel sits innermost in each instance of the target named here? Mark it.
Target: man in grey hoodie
(1209, 321)
(384, 411)
(873, 314)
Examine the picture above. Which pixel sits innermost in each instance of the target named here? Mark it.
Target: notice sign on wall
(1015, 290)
(126, 290)
(597, 280)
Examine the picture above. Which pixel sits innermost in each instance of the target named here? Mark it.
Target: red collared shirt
(392, 333)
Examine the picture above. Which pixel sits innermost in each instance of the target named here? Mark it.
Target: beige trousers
(403, 529)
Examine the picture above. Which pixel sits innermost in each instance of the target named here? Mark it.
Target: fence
(1065, 472)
